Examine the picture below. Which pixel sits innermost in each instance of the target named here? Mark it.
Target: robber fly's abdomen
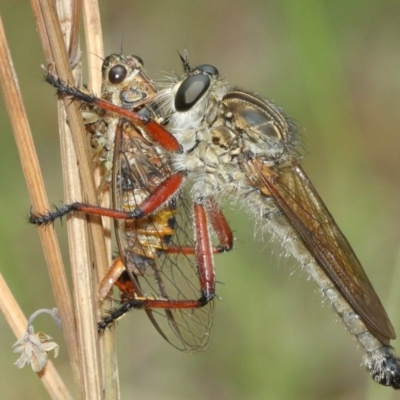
(280, 228)
(380, 359)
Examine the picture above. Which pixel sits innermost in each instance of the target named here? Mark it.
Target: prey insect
(165, 261)
(240, 146)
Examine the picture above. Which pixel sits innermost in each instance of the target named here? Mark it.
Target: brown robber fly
(240, 147)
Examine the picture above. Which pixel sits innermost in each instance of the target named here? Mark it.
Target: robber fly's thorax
(221, 127)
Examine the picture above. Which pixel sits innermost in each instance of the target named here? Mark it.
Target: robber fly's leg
(161, 194)
(204, 260)
(159, 134)
(220, 225)
(204, 252)
(204, 255)
(221, 228)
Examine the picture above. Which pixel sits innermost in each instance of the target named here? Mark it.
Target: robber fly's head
(194, 86)
(201, 106)
(124, 81)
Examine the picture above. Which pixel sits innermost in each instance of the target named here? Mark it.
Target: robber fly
(239, 145)
(156, 269)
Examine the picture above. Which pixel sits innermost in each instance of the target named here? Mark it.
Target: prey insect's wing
(151, 246)
(299, 201)
(175, 277)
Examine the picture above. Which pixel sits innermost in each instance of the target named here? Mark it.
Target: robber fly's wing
(144, 244)
(299, 201)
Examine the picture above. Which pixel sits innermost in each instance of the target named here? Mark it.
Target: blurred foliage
(334, 67)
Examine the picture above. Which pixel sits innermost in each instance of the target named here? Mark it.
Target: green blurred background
(333, 66)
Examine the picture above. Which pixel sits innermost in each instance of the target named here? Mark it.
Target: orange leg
(159, 134)
(160, 196)
(204, 259)
(220, 226)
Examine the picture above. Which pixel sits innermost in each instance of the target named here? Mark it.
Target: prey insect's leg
(112, 277)
(160, 196)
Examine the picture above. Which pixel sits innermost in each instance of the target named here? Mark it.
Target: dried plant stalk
(74, 153)
(14, 316)
(78, 318)
(95, 55)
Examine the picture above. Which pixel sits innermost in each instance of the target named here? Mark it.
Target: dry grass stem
(74, 153)
(31, 169)
(59, 33)
(95, 55)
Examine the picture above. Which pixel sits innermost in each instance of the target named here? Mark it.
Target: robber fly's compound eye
(208, 70)
(190, 91)
(117, 74)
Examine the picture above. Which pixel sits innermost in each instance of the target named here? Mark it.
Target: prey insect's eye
(190, 91)
(207, 70)
(117, 74)
(139, 60)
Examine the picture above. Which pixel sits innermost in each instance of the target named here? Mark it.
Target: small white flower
(35, 346)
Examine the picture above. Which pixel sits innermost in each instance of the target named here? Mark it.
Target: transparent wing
(175, 277)
(299, 201)
(155, 248)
